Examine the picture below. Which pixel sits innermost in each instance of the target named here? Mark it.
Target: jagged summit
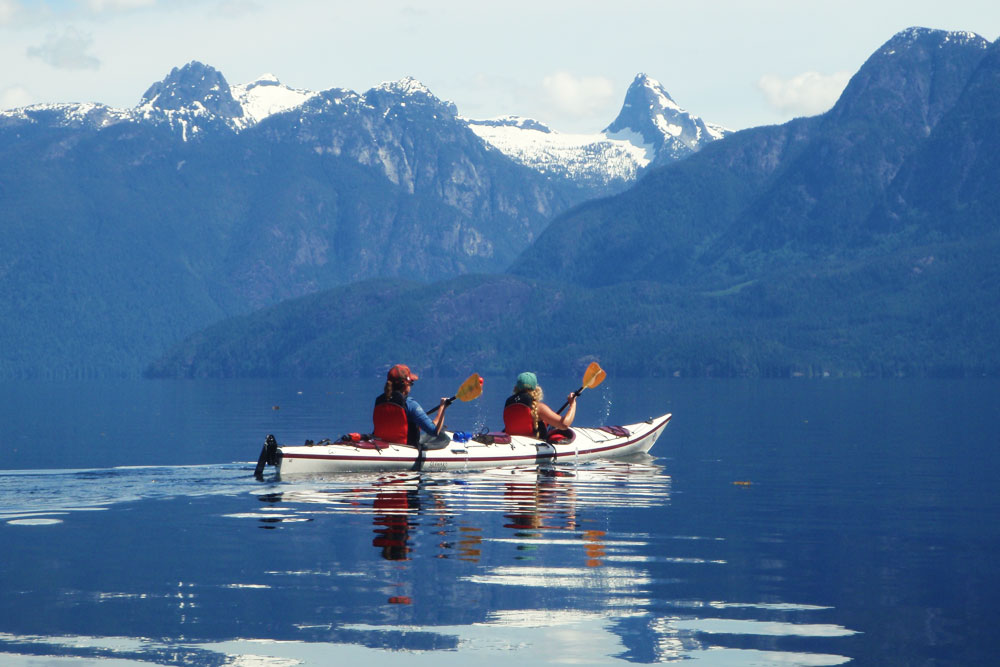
(407, 91)
(651, 129)
(196, 88)
(195, 101)
(650, 113)
(405, 86)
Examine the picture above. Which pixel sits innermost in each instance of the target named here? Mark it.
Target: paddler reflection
(449, 515)
(392, 521)
(535, 502)
(543, 505)
(397, 505)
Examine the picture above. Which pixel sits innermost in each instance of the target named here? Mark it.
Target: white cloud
(235, 9)
(28, 12)
(581, 96)
(66, 51)
(806, 94)
(15, 97)
(109, 6)
(8, 11)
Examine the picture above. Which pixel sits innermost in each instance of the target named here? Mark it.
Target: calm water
(777, 523)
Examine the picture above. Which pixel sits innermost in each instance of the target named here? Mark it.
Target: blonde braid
(536, 398)
(536, 394)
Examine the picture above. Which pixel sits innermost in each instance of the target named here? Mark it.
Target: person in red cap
(399, 418)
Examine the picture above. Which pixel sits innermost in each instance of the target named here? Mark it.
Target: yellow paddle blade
(470, 389)
(593, 376)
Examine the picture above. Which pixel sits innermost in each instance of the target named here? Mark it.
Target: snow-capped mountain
(650, 129)
(191, 99)
(194, 99)
(235, 197)
(665, 128)
(267, 96)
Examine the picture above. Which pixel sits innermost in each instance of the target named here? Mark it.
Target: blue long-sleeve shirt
(416, 415)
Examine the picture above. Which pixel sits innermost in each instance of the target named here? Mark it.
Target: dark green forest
(898, 316)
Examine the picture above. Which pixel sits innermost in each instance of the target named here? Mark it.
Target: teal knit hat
(526, 380)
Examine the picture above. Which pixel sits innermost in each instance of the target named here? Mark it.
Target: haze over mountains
(125, 229)
(860, 241)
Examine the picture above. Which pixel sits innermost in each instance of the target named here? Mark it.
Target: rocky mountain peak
(194, 88)
(407, 92)
(651, 113)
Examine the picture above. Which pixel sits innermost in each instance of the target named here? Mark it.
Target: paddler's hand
(444, 402)
(571, 399)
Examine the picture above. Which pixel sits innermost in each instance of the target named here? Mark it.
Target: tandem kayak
(461, 451)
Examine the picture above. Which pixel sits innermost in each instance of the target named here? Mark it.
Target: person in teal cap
(524, 413)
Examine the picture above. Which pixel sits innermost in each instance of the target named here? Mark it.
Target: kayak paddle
(593, 376)
(470, 389)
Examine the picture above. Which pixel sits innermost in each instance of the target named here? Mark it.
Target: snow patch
(265, 97)
(598, 157)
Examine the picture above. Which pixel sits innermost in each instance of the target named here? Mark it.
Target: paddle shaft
(438, 406)
(575, 393)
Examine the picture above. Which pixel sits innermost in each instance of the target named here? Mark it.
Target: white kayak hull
(587, 444)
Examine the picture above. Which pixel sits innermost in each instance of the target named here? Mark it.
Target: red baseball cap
(401, 373)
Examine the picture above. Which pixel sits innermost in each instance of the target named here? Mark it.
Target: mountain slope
(770, 197)
(860, 242)
(949, 187)
(124, 231)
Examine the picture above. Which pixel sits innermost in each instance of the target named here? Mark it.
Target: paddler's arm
(554, 419)
(416, 413)
(439, 420)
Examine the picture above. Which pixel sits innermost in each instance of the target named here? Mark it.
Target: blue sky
(568, 64)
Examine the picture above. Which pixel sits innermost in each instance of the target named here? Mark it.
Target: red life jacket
(517, 418)
(389, 418)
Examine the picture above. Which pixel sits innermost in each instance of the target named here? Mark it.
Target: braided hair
(536, 398)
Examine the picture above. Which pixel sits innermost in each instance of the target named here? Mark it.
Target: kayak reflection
(446, 515)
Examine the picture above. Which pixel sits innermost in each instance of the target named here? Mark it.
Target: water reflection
(536, 505)
(541, 540)
(511, 565)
